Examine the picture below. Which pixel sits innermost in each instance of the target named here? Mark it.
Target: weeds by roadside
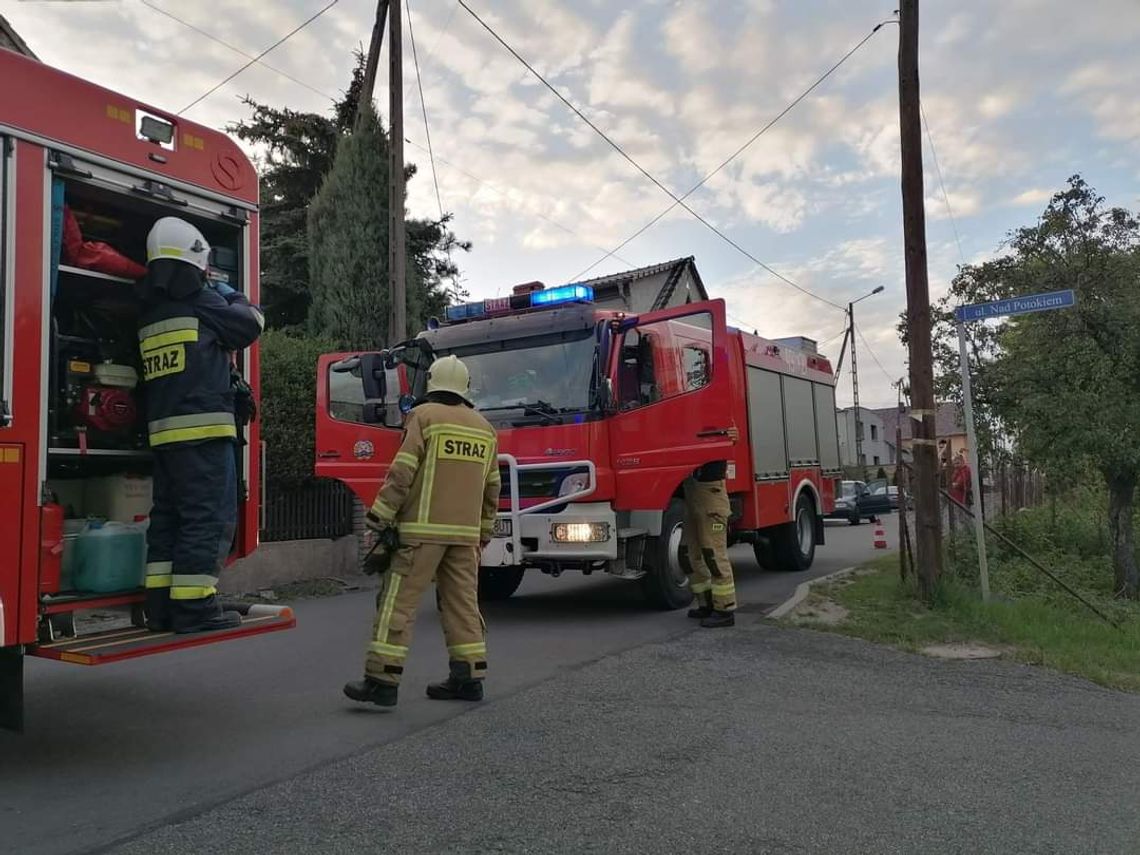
(1033, 629)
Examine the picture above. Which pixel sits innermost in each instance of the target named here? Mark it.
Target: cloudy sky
(1019, 94)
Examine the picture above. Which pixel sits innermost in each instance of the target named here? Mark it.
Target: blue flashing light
(563, 294)
(520, 302)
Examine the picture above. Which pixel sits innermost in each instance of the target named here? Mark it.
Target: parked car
(893, 495)
(858, 501)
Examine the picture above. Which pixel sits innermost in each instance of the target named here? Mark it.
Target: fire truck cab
(84, 174)
(601, 417)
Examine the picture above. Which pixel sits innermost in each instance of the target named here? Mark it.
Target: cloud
(1033, 196)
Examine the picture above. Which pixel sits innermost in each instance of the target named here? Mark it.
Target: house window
(876, 460)
(875, 434)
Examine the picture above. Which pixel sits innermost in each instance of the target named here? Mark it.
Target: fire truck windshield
(542, 377)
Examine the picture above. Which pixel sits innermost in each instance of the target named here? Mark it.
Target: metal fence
(317, 510)
(1007, 488)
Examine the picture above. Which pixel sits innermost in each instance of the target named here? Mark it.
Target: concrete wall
(275, 564)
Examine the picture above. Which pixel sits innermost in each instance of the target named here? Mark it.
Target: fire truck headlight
(580, 532)
(574, 484)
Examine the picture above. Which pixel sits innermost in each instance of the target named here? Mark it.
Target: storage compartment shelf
(142, 453)
(71, 601)
(94, 274)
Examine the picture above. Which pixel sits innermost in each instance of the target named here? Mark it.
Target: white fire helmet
(173, 238)
(449, 374)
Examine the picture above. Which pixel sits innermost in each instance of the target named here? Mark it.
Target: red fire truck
(85, 173)
(601, 416)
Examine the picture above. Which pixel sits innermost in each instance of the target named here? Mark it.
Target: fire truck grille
(534, 484)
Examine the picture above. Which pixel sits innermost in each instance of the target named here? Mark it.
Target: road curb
(802, 591)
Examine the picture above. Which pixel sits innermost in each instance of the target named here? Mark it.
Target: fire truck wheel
(765, 554)
(499, 583)
(795, 541)
(665, 584)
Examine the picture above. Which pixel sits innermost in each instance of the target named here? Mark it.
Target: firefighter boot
(201, 615)
(369, 691)
(459, 686)
(718, 619)
(704, 606)
(156, 607)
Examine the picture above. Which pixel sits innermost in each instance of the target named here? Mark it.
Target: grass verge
(1030, 629)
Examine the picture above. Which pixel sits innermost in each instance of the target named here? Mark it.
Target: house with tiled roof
(950, 428)
(646, 289)
(10, 39)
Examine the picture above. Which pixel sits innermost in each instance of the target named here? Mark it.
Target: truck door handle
(702, 434)
(326, 455)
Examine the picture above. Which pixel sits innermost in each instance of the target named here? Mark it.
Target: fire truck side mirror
(372, 376)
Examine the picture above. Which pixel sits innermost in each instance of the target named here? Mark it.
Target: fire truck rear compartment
(96, 426)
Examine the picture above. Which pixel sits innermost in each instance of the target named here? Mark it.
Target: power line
(435, 45)
(637, 165)
(742, 148)
(839, 334)
(942, 184)
(257, 58)
(423, 106)
(887, 374)
(234, 48)
(507, 196)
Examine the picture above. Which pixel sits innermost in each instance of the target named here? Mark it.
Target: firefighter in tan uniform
(441, 495)
(704, 546)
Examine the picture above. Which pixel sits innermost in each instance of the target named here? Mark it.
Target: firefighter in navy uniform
(441, 495)
(187, 333)
(704, 546)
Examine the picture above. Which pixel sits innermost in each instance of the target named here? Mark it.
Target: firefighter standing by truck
(441, 496)
(187, 332)
(703, 552)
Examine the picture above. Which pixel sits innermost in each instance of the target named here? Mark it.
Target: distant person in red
(960, 480)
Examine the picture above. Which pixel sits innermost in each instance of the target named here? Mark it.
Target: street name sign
(1017, 306)
(979, 312)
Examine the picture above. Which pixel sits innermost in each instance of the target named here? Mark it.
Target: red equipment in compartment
(106, 408)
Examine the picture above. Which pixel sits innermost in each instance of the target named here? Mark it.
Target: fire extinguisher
(51, 547)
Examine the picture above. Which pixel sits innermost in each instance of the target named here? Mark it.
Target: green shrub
(1068, 535)
(288, 401)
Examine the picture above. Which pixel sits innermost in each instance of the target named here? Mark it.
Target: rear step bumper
(114, 645)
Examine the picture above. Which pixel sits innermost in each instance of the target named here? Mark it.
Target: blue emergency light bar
(520, 302)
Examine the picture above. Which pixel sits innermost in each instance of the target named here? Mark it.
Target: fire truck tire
(765, 554)
(794, 542)
(665, 584)
(499, 583)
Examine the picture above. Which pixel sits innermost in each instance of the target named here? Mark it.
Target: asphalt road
(113, 751)
(760, 740)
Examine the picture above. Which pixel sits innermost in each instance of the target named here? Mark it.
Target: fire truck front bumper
(583, 531)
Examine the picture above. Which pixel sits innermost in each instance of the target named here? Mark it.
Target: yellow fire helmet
(449, 374)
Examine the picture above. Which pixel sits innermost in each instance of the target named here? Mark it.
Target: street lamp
(855, 376)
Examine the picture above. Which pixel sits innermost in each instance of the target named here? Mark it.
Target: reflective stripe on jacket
(185, 347)
(443, 484)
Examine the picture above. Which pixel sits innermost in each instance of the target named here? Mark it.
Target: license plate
(502, 527)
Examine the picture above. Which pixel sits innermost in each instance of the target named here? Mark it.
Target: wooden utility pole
(398, 328)
(855, 394)
(902, 482)
(928, 531)
(368, 90)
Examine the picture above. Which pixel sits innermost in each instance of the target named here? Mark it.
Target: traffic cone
(880, 535)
